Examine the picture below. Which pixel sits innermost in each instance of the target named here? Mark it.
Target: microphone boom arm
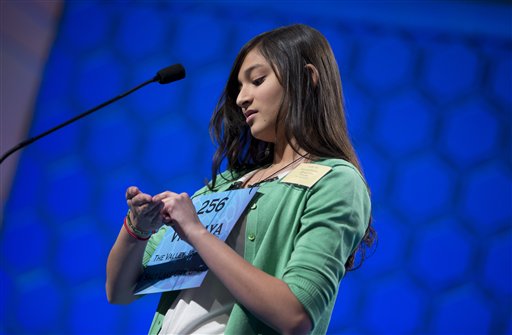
(164, 76)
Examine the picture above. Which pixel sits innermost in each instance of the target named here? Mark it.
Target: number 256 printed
(212, 205)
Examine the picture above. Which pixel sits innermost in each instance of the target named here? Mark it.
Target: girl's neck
(284, 154)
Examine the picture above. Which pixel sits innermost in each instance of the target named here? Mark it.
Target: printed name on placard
(214, 228)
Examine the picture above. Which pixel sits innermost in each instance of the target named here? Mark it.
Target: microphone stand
(164, 76)
(90, 111)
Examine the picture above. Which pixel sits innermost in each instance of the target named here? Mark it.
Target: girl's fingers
(164, 195)
(131, 192)
(140, 199)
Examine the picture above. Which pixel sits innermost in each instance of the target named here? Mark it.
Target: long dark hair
(312, 115)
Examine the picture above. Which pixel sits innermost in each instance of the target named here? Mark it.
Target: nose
(244, 98)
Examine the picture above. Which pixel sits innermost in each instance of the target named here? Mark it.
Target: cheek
(274, 99)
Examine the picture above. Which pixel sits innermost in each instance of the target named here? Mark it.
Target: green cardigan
(300, 235)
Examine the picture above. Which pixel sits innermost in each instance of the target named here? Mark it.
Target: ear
(314, 73)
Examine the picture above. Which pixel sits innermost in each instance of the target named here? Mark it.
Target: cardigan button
(251, 237)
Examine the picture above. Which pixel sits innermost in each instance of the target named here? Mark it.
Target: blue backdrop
(429, 111)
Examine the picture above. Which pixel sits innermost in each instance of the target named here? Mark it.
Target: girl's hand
(179, 212)
(144, 212)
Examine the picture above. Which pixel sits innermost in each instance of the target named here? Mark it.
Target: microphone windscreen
(170, 74)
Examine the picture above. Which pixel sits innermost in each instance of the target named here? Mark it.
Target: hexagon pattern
(430, 113)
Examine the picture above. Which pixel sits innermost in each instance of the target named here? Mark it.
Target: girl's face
(260, 96)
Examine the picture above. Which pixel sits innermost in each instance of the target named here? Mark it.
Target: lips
(248, 113)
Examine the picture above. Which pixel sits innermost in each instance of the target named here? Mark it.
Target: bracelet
(140, 235)
(135, 229)
(132, 234)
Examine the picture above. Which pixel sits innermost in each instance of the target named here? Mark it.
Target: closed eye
(258, 81)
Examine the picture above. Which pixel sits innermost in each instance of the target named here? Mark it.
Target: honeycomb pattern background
(429, 112)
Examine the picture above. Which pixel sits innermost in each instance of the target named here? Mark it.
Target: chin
(259, 135)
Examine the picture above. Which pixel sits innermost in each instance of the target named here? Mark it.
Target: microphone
(164, 76)
(169, 74)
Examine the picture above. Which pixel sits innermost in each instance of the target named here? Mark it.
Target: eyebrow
(248, 71)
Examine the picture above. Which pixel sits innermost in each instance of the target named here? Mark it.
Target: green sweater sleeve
(333, 223)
